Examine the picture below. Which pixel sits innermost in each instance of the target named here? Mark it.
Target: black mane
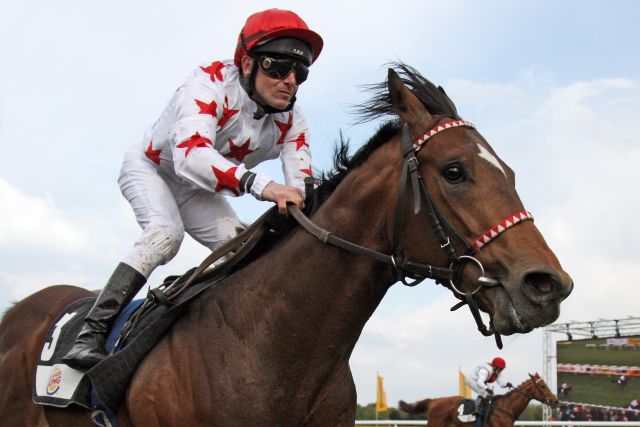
(379, 105)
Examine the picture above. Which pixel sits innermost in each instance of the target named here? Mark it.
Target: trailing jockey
(226, 118)
(482, 380)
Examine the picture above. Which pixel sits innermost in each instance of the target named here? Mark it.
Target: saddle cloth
(466, 410)
(105, 384)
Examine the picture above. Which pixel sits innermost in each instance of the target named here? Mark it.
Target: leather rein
(416, 272)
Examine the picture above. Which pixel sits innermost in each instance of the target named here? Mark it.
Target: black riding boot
(88, 349)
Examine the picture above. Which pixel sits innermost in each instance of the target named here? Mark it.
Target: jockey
(482, 379)
(226, 118)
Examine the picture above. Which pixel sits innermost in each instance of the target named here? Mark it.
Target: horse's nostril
(541, 284)
(544, 286)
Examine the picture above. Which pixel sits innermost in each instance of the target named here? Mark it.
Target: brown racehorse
(271, 344)
(505, 409)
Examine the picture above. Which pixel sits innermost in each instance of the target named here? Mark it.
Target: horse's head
(540, 391)
(508, 267)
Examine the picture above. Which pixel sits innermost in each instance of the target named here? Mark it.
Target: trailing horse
(503, 412)
(270, 345)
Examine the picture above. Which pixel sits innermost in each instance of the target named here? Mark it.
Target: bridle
(414, 271)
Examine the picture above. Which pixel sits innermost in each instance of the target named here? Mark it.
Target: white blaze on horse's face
(485, 154)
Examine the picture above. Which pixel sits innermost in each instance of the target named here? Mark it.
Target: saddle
(143, 322)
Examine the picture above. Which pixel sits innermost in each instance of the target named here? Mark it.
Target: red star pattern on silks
(307, 171)
(239, 152)
(226, 179)
(300, 141)
(207, 108)
(153, 155)
(284, 128)
(214, 70)
(194, 141)
(226, 113)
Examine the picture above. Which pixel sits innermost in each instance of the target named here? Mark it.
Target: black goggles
(279, 68)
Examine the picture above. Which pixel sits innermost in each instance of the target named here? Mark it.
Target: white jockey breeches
(474, 386)
(165, 210)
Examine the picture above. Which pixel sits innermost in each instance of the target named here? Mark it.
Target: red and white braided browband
(437, 129)
(494, 232)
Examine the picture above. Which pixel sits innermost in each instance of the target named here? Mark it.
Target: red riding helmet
(273, 23)
(499, 362)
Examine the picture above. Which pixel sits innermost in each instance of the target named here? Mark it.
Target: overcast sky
(553, 86)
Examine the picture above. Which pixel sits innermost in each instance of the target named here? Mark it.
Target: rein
(416, 271)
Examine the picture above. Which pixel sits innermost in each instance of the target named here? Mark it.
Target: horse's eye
(453, 174)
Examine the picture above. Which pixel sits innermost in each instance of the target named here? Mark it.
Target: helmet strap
(249, 85)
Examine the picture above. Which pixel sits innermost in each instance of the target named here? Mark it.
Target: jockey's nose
(290, 79)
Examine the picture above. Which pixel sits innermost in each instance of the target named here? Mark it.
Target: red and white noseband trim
(494, 232)
(444, 126)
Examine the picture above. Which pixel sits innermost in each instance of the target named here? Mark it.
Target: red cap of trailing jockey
(273, 23)
(499, 362)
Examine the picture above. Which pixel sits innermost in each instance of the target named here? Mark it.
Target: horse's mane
(508, 394)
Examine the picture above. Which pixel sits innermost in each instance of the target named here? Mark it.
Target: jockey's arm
(483, 375)
(502, 382)
(296, 154)
(195, 158)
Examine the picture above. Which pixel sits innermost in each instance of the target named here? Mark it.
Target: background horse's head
(475, 200)
(540, 391)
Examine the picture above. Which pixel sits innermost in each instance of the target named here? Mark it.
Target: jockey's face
(274, 92)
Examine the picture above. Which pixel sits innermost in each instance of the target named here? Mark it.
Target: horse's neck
(337, 290)
(343, 288)
(317, 293)
(517, 401)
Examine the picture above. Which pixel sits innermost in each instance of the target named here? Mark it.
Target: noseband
(414, 271)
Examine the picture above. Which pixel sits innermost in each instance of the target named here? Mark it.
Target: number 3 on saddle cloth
(104, 385)
(57, 384)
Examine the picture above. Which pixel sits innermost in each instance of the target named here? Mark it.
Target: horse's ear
(449, 101)
(405, 103)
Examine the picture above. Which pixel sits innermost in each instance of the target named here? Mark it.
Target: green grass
(576, 352)
(598, 389)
